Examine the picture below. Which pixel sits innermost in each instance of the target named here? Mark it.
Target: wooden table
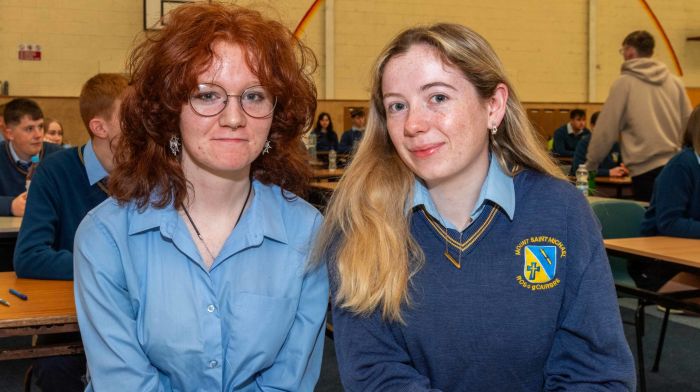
(676, 250)
(9, 226)
(324, 186)
(327, 173)
(49, 309)
(594, 199)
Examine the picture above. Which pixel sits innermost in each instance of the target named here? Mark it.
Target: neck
(213, 194)
(103, 152)
(455, 198)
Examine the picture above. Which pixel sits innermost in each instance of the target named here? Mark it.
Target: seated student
(352, 136)
(64, 188)
(53, 132)
(674, 210)
(471, 265)
(568, 135)
(326, 138)
(611, 166)
(25, 134)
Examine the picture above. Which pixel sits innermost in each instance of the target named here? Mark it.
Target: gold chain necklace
(199, 234)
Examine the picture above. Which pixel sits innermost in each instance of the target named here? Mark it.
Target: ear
(497, 105)
(8, 132)
(98, 128)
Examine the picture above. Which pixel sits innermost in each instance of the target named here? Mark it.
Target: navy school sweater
(59, 198)
(532, 308)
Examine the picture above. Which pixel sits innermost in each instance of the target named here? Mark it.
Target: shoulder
(62, 158)
(108, 218)
(50, 148)
(561, 130)
(549, 200)
(295, 212)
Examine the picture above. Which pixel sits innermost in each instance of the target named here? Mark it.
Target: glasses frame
(238, 96)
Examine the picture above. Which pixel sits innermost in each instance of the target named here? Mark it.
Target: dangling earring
(267, 147)
(494, 130)
(174, 144)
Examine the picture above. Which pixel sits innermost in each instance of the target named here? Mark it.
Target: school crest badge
(540, 263)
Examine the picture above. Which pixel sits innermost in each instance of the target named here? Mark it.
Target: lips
(425, 150)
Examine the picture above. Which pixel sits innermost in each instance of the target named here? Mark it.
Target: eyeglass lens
(211, 99)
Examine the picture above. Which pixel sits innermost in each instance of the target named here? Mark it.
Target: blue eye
(396, 107)
(439, 98)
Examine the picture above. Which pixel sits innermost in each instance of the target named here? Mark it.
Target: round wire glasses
(210, 99)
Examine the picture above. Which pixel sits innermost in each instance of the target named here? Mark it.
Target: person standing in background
(646, 110)
(24, 123)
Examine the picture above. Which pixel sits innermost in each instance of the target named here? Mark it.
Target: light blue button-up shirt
(497, 187)
(153, 318)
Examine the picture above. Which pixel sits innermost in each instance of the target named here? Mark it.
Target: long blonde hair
(366, 234)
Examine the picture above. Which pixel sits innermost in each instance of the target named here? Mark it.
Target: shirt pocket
(259, 327)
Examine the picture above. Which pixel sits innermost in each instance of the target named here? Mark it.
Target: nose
(416, 120)
(233, 115)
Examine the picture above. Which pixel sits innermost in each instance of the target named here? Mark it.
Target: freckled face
(435, 118)
(225, 144)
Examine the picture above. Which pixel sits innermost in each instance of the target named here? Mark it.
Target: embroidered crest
(540, 263)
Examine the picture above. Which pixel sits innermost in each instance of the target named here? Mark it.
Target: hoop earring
(267, 147)
(494, 130)
(174, 144)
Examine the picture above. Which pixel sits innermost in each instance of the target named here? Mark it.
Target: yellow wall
(543, 44)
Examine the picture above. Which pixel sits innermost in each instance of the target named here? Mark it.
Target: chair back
(619, 219)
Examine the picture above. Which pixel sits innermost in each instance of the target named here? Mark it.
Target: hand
(18, 204)
(618, 171)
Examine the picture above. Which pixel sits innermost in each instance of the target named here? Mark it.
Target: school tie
(24, 165)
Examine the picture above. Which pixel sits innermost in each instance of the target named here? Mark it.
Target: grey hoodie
(646, 110)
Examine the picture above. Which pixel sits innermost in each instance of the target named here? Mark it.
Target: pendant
(452, 260)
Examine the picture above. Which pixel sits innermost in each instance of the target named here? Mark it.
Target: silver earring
(174, 144)
(494, 130)
(267, 147)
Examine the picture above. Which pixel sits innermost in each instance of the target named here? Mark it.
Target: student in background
(674, 211)
(646, 110)
(194, 275)
(568, 135)
(611, 166)
(64, 188)
(458, 254)
(352, 137)
(53, 132)
(326, 138)
(24, 123)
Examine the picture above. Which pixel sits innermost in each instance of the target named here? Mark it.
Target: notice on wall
(29, 52)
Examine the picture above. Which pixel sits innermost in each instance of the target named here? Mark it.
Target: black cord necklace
(199, 234)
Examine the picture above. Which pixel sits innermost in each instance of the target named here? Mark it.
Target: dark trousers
(61, 373)
(643, 184)
(651, 275)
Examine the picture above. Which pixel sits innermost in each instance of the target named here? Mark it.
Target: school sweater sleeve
(371, 356)
(608, 126)
(6, 205)
(35, 256)
(589, 352)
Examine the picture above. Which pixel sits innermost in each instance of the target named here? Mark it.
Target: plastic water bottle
(332, 156)
(582, 179)
(312, 146)
(31, 170)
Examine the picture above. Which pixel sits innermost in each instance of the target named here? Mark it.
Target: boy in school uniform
(64, 188)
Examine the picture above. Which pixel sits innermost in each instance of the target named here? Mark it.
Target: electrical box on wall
(29, 52)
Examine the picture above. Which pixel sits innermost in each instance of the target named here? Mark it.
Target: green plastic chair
(622, 219)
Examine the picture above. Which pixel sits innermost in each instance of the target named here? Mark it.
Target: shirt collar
(94, 169)
(497, 187)
(570, 129)
(697, 156)
(15, 157)
(259, 218)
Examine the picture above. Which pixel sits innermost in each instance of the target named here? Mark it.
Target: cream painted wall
(543, 44)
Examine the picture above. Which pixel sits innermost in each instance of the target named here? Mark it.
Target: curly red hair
(164, 70)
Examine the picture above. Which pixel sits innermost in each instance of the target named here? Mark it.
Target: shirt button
(212, 364)
(211, 308)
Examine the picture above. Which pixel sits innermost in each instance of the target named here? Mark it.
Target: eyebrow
(424, 88)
